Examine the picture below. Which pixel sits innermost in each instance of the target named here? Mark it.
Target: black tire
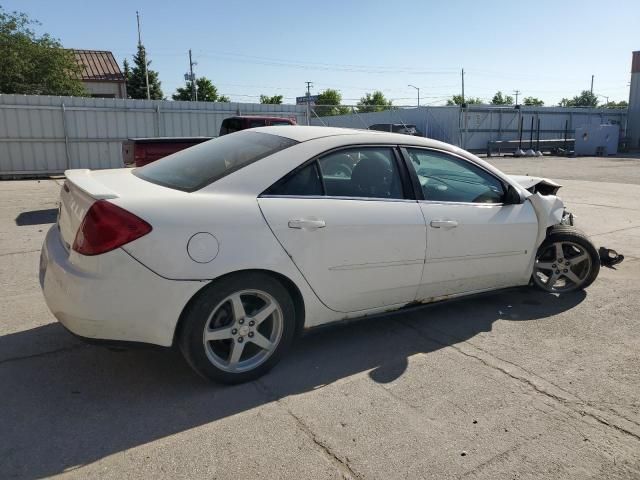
(566, 233)
(197, 316)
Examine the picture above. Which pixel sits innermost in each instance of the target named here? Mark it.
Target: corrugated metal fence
(43, 135)
(473, 127)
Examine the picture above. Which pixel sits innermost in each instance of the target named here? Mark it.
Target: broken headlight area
(567, 218)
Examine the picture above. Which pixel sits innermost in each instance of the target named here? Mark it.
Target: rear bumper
(110, 296)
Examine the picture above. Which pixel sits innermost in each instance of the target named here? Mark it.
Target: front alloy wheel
(566, 261)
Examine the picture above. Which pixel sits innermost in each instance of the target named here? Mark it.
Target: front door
(347, 224)
(474, 241)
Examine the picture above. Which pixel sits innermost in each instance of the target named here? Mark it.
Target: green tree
(585, 99)
(329, 103)
(499, 99)
(137, 84)
(206, 91)
(373, 102)
(620, 104)
(126, 70)
(275, 100)
(457, 100)
(533, 101)
(32, 64)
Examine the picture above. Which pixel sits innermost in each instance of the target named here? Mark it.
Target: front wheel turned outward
(238, 328)
(566, 261)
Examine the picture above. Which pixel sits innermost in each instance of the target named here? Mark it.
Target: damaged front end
(551, 212)
(549, 209)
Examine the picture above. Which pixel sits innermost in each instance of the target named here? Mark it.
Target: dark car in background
(404, 128)
(235, 124)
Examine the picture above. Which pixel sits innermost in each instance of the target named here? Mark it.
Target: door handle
(307, 223)
(444, 223)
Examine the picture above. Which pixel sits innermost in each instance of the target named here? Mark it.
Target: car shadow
(72, 407)
(37, 217)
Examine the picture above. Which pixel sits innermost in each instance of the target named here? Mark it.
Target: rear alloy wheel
(237, 329)
(566, 261)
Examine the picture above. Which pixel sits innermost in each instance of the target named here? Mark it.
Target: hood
(544, 186)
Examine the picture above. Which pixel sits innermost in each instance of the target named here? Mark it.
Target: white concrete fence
(44, 135)
(473, 127)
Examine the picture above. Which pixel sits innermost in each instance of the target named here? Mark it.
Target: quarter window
(304, 182)
(450, 179)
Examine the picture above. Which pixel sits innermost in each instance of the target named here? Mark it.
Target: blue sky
(547, 49)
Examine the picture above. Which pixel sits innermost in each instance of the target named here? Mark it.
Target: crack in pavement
(617, 207)
(18, 253)
(341, 464)
(587, 409)
(615, 231)
(44, 354)
(499, 456)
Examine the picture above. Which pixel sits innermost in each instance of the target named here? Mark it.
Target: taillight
(106, 227)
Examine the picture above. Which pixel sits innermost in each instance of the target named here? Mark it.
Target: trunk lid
(83, 187)
(78, 193)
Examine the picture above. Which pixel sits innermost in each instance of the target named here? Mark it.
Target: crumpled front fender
(549, 211)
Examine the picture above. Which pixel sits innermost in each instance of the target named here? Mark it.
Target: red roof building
(101, 74)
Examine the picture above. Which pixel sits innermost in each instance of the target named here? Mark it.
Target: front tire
(238, 328)
(566, 261)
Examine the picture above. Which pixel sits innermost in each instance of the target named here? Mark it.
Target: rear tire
(566, 261)
(238, 328)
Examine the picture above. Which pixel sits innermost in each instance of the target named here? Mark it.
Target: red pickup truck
(140, 151)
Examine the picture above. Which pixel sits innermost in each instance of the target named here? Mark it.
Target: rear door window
(203, 164)
(361, 172)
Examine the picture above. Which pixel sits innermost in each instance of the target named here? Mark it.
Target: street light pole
(309, 85)
(141, 47)
(413, 86)
(194, 92)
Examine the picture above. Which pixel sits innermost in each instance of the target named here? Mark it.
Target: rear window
(201, 165)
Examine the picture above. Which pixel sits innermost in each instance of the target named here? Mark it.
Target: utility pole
(192, 78)
(413, 86)
(309, 85)
(146, 73)
(463, 86)
(592, 84)
(516, 92)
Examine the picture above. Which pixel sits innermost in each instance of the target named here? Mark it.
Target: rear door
(474, 240)
(350, 228)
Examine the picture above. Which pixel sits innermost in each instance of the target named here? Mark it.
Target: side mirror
(512, 197)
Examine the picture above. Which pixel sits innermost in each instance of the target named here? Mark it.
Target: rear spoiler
(84, 180)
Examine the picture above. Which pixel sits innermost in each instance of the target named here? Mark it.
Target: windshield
(201, 165)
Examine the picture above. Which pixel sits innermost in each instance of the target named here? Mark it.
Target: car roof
(302, 133)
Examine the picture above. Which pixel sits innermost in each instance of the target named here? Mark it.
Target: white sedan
(232, 248)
